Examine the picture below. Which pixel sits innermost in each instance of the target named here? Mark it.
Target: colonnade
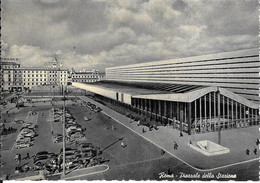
(205, 114)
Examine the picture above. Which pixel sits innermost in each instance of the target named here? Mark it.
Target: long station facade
(195, 94)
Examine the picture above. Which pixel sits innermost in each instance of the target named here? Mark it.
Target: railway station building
(195, 94)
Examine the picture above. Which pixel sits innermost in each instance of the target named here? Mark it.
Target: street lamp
(64, 135)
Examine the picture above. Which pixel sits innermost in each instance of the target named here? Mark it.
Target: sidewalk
(237, 140)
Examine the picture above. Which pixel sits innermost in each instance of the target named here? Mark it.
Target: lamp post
(64, 135)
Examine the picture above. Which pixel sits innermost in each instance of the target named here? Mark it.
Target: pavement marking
(198, 169)
(83, 175)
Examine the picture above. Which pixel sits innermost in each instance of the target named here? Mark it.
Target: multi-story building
(196, 94)
(13, 77)
(44, 76)
(87, 76)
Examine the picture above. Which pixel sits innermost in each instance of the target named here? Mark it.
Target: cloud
(100, 33)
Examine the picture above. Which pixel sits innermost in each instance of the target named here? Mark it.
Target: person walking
(247, 152)
(27, 156)
(162, 152)
(122, 144)
(255, 151)
(144, 130)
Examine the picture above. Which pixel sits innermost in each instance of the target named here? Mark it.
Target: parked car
(25, 139)
(68, 149)
(86, 118)
(72, 128)
(21, 144)
(44, 153)
(44, 159)
(57, 138)
(70, 155)
(98, 109)
(97, 161)
(19, 121)
(76, 135)
(76, 163)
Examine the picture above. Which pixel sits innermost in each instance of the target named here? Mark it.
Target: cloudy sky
(104, 33)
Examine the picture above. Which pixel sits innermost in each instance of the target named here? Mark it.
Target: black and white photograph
(140, 90)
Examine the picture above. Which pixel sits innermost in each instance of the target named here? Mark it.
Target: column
(236, 114)
(185, 111)
(232, 114)
(195, 114)
(240, 109)
(224, 118)
(189, 118)
(219, 111)
(200, 114)
(210, 111)
(215, 114)
(170, 112)
(205, 110)
(256, 111)
(244, 113)
(147, 107)
(181, 115)
(151, 108)
(178, 111)
(165, 111)
(160, 109)
(228, 111)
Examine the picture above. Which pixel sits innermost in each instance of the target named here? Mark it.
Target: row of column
(176, 113)
(207, 113)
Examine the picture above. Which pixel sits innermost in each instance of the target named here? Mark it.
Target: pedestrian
(255, 151)
(257, 141)
(181, 135)
(7, 177)
(247, 152)
(16, 157)
(122, 144)
(190, 142)
(175, 145)
(28, 156)
(144, 130)
(19, 157)
(162, 152)
(138, 123)
(150, 128)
